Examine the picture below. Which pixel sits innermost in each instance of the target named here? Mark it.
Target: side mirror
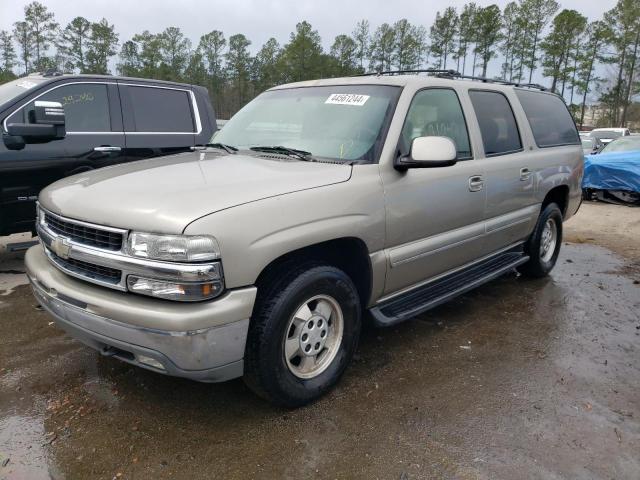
(47, 123)
(48, 113)
(428, 152)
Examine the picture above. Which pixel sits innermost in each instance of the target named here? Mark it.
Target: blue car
(613, 174)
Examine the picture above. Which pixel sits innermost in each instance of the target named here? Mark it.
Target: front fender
(253, 235)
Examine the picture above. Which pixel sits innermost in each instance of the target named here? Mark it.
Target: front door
(94, 138)
(435, 216)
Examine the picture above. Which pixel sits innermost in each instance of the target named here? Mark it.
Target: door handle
(476, 183)
(106, 148)
(525, 174)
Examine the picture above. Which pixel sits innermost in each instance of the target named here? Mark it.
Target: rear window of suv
(550, 120)
(163, 110)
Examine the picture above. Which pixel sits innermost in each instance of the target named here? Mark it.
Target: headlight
(173, 248)
(185, 292)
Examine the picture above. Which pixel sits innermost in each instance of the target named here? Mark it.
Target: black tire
(266, 370)
(538, 266)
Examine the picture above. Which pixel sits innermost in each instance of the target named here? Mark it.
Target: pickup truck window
(161, 109)
(345, 122)
(86, 107)
(550, 121)
(437, 111)
(498, 126)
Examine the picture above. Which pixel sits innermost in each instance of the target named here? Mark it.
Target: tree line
(527, 37)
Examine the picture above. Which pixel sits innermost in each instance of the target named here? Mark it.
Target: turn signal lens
(185, 292)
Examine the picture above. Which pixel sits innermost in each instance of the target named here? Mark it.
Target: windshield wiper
(292, 152)
(230, 149)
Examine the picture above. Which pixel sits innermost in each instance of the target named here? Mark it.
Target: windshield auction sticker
(347, 99)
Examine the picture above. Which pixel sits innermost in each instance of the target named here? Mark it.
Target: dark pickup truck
(57, 125)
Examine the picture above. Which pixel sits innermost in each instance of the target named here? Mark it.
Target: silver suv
(259, 254)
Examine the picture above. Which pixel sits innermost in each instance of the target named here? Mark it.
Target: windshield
(623, 144)
(336, 122)
(14, 88)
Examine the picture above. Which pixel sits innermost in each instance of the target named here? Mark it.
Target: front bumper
(202, 341)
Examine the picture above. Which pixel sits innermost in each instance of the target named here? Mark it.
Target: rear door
(158, 120)
(94, 138)
(509, 178)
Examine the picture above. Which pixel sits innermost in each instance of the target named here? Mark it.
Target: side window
(161, 110)
(498, 126)
(86, 107)
(437, 112)
(550, 121)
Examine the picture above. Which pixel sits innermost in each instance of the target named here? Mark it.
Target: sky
(259, 19)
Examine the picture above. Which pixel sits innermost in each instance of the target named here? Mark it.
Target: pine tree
(344, 51)
(466, 34)
(42, 29)
(102, 45)
(409, 45)
(238, 67)
(489, 25)
(598, 36)
(22, 35)
(265, 67)
(538, 14)
(175, 48)
(362, 39)
(73, 42)
(443, 32)
(7, 56)
(302, 57)
(558, 46)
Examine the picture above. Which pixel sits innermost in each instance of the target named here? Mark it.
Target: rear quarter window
(550, 120)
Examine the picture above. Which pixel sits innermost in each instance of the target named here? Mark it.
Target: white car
(605, 135)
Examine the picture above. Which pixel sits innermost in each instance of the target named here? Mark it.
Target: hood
(165, 194)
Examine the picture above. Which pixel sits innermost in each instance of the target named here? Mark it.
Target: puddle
(9, 281)
(22, 443)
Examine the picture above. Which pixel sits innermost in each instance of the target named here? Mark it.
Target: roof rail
(454, 74)
(405, 72)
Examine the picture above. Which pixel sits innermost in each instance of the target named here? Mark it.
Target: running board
(421, 299)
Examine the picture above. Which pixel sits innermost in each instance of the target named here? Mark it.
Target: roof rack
(405, 72)
(454, 74)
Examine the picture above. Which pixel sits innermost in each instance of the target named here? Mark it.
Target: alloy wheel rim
(313, 336)
(548, 240)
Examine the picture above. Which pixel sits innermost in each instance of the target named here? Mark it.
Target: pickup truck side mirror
(428, 152)
(47, 123)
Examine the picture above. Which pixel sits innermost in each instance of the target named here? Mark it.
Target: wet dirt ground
(518, 379)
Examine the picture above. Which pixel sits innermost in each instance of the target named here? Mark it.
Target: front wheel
(303, 334)
(543, 246)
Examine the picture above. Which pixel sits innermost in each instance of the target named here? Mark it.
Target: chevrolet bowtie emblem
(61, 248)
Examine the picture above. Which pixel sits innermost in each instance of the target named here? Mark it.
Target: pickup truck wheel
(303, 334)
(544, 244)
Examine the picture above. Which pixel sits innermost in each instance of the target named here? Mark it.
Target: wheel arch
(349, 254)
(558, 195)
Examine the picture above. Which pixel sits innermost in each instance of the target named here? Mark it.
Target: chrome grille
(87, 270)
(93, 237)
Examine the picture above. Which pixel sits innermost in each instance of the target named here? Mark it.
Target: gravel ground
(546, 386)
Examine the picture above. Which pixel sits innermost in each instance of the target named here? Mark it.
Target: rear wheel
(543, 246)
(303, 334)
